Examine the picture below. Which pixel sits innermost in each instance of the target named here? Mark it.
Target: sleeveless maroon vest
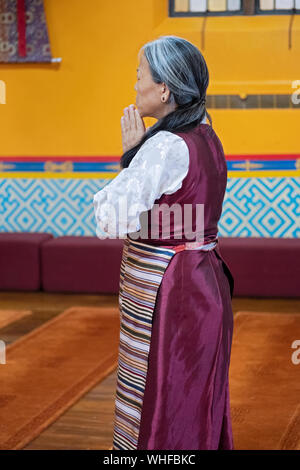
(205, 183)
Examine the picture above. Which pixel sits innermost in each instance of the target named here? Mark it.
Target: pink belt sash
(193, 246)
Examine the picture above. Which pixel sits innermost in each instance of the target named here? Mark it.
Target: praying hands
(133, 128)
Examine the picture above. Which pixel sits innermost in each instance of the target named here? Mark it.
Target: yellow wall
(74, 108)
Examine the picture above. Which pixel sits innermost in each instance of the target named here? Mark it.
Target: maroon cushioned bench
(20, 260)
(81, 264)
(263, 267)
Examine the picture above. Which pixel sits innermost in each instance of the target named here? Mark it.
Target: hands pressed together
(133, 127)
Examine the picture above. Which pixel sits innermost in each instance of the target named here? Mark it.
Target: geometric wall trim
(98, 167)
(57, 206)
(261, 207)
(253, 207)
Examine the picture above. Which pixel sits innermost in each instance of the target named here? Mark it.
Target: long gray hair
(181, 66)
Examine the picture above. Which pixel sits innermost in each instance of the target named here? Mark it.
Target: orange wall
(74, 108)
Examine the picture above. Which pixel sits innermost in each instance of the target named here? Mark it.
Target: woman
(175, 288)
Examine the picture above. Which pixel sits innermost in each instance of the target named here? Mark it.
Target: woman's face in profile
(149, 93)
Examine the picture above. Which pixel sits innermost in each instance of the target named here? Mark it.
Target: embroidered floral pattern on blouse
(158, 168)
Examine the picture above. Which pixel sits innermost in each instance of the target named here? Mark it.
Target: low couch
(261, 267)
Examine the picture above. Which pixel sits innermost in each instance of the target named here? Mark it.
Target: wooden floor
(88, 424)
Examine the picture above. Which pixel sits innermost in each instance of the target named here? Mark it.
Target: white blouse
(158, 168)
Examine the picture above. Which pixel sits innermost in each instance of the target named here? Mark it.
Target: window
(232, 7)
(277, 6)
(204, 7)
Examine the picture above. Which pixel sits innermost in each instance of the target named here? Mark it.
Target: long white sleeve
(159, 167)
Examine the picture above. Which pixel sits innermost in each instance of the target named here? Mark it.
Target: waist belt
(194, 246)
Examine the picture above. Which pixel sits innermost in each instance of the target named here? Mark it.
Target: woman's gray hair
(181, 66)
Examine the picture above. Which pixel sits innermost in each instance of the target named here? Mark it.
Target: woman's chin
(143, 113)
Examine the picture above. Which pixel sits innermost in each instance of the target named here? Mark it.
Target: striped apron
(142, 270)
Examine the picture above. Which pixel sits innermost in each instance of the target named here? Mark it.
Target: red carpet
(49, 369)
(10, 316)
(264, 382)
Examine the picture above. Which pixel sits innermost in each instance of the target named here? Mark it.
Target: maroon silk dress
(186, 398)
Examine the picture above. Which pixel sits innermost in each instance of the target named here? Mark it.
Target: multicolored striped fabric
(142, 270)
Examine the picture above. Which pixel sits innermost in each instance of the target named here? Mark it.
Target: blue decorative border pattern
(253, 207)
